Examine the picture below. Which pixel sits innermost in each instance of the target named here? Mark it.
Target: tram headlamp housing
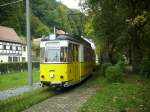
(61, 77)
(51, 74)
(42, 76)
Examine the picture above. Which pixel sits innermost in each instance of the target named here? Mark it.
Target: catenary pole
(30, 78)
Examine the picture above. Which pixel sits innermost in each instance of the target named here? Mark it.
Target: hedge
(16, 67)
(104, 67)
(115, 72)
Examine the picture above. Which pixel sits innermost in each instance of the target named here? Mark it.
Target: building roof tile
(9, 35)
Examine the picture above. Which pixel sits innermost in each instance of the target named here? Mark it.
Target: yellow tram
(65, 60)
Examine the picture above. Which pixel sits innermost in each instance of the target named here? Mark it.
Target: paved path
(17, 91)
(69, 101)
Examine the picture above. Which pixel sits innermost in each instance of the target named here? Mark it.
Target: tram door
(77, 67)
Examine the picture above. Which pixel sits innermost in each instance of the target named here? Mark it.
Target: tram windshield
(52, 55)
(55, 54)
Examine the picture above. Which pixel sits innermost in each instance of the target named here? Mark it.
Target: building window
(18, 59)
(1, 46)
(24, 48)
(16, 48)
(9, 59)
(11, 47)
(4, 47)
(15, 59)
(1, 51)
(23, 59)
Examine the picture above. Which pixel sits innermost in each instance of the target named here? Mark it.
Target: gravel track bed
(17, 91)
(70, 101)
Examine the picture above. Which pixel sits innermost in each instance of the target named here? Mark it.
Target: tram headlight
(52, 75)
(61, 77)
(42, 76)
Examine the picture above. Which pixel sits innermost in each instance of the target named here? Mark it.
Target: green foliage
(146, 95)
(121, 26)
(131, 96)
(24, 101)
(115, 73)
(12, 15)
(115, 98)
(145, 68)
(121, 65)
(38, 28)
(116, 57)
(45, 14)
(17, 79)
(15, 67)
(53, 13)
(104, 67)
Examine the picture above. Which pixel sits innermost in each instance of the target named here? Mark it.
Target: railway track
(69, 101)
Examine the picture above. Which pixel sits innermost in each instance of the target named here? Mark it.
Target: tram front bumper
(54, 84)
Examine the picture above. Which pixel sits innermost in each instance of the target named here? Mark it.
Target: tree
(12, 15)
(122, 26)
(38, 28)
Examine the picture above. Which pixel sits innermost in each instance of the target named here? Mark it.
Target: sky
(71, 3)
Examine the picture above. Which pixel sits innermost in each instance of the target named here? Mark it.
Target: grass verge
(21, 102)
(131, 96)
(17, 79)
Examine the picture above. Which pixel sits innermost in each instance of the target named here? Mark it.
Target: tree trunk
(105, 53)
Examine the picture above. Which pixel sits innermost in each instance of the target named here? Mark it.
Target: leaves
(45, 14)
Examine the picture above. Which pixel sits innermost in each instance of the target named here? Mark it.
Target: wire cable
(2, 5)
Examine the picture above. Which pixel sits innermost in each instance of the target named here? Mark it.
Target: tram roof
(69, 37)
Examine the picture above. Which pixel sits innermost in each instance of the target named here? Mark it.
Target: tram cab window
(52, 55)
(42, 54)
(64, 54)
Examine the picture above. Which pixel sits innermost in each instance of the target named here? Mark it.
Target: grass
(17, 79)
(21, 102)
(131, 96)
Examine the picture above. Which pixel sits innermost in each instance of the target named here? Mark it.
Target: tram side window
(70, 53)
(42, 55)
(74, 56)
(64, 54)
(85, 54)
(77, 53)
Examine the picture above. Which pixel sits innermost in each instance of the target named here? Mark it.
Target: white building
(12, 47)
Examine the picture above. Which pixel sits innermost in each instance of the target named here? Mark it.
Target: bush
(104, 67)
(121, 65)
(115, 73)
(16, 67)
(145, 68)
(116, 57)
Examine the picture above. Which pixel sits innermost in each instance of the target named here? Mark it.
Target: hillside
(45, 14)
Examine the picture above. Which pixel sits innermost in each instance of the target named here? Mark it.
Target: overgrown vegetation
(6, 68)
(132, 95)
(114, 74)
(45, 14)
(21, 102)
(120, 27)
(17, 79)
(103, 68)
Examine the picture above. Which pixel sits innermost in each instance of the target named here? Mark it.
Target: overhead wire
(10, 3)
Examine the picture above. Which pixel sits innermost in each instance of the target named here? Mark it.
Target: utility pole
(30, 78)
